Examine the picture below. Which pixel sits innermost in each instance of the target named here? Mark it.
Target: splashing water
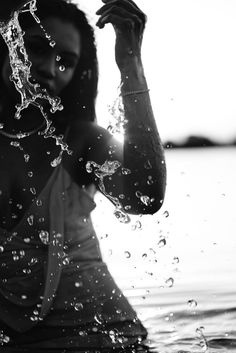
(31, 93)
(4, 338)
(203, 341)
(117, 122)
(108, 168)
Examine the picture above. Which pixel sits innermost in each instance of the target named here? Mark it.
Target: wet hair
(79, 97)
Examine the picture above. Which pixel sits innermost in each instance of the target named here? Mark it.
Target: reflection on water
(192, 240)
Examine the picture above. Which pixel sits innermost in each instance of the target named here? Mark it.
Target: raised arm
(142, 150)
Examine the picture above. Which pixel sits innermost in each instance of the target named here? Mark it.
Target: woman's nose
(47, 68)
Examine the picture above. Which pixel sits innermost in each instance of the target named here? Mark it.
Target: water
(30, 93)
(177, 267)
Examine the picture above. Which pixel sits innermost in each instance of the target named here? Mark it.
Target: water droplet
(26, 157)
(4, 338)
(26, 271)
(44, 237)
(56, 161)
(122, 216)
(58, 58)
(98, 319)
(33, 261)
(115, 336)
(33, 191)
(46, 34)
(192, 303)
(166, 214)
(175, 260)
(78, 284)
(78, 306)
(66, 261)
(150, 180)
(200, 330)
(15, 143)
(162, 242)
(34, 318)
(122, 196)
(22, 253)
(39, 202)
(89, 168)
(147, 165)
(127, 254)
(52, 43)
(146, 200)
(137, 226)
(125, 171)
(1, 249)
(62, 68)
(170, 282)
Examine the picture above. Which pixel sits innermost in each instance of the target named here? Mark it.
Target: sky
(189, 57)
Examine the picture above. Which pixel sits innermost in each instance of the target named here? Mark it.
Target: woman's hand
(8, 6)
(129, 22)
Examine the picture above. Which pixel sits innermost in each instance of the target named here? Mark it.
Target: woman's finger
(115, 20)
(124, 1)
(120, 18)
(124, 10)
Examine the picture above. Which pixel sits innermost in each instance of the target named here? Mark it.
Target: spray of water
(108, 168)
(117, 116)
(30, 93)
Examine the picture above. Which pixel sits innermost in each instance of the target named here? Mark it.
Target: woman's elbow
(148, 205)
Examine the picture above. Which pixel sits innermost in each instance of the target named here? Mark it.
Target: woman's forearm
(143, 151)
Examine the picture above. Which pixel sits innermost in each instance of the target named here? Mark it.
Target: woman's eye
(67, 63)
(35, 48)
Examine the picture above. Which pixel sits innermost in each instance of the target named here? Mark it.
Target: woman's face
(52, 66)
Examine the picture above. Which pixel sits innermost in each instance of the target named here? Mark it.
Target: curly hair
(79, 97)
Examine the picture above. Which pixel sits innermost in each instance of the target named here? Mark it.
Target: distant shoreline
(195, 141)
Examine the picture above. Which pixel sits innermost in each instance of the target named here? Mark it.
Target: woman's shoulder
(83, 135)
(86, 129)
(83, 139)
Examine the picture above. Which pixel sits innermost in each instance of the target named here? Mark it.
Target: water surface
(178, 267)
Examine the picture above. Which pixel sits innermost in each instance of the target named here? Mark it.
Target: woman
(55, 290)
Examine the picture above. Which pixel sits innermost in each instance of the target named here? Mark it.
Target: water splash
(169, 282)
(192, 303)
(202, 339)
(108, 168)
(30, 93)
(117, 121)
(44, 237)
(4, 339)
(20, 64)
(162, 242)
